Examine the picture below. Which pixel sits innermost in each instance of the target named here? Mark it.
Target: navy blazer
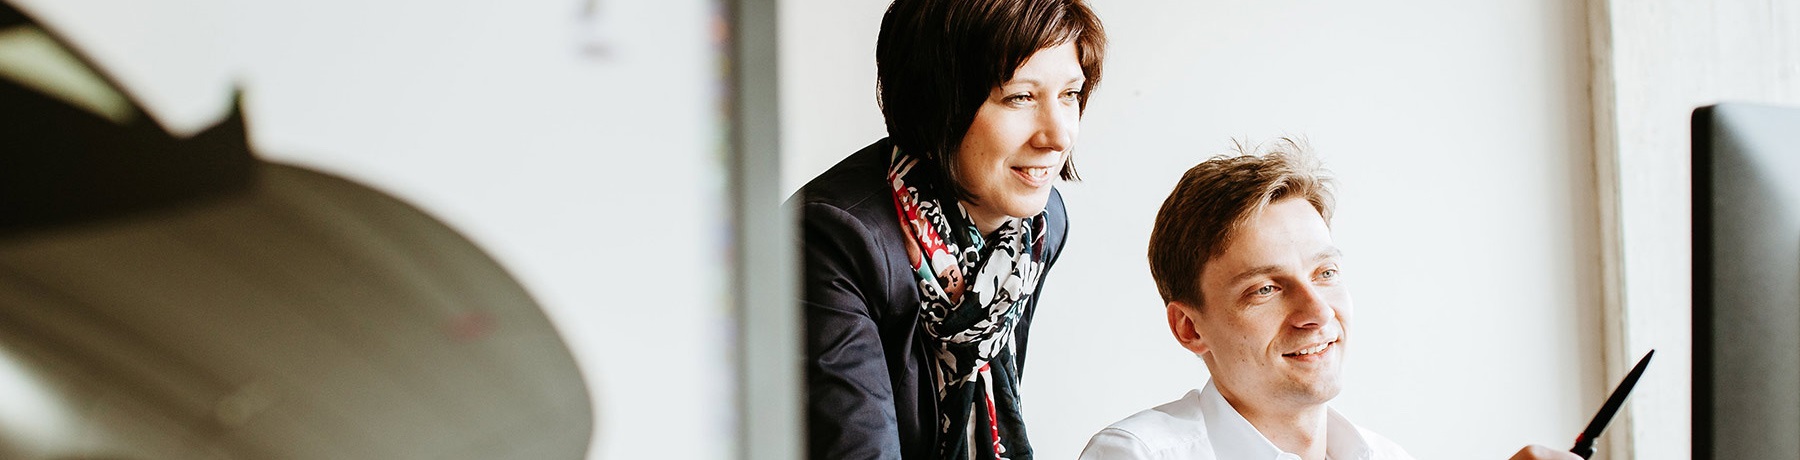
(869, 390)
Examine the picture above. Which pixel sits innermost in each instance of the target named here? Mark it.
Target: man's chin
(1330, 391)
(1317, 389)
(1312, 396)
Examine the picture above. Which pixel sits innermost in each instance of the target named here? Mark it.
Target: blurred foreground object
(166, 297)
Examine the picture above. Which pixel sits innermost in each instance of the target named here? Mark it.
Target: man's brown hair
(1215, 198)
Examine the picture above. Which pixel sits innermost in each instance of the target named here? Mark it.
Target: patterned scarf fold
(974, 291)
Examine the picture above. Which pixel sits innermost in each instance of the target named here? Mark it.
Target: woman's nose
(1057, 125)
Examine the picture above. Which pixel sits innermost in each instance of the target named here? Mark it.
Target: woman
(923, 251)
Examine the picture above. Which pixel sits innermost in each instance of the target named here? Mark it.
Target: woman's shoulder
(1056, 220)
(857, 185)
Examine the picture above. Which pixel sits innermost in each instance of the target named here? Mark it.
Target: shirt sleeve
(850, 400)
(1114, 444)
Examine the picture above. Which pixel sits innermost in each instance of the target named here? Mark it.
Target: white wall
(1460, 133)
(1658, 60)
(597, 181)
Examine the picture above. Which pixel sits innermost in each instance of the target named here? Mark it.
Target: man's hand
(1537, 452)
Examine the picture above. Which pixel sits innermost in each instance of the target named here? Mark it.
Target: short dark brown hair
(1215, 198)
(937, 61)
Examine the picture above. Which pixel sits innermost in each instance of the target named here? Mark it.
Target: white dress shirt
(1203, 426)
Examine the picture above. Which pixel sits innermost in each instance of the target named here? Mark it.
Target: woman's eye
(1018, 98)
(1328, 274)
(1072, 95)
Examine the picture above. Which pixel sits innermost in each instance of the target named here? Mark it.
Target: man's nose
(1310, 310)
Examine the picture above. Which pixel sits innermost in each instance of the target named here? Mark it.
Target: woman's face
(1021, 137)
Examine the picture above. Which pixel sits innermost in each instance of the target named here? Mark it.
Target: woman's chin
(1027, 206)
(1018, 205)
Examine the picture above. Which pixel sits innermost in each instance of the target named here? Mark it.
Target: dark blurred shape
(1746, 282)
(63, 165)
(166, 297)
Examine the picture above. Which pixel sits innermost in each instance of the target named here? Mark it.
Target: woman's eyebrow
(1036, 82)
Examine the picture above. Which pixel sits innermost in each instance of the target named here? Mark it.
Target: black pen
(1584, 443)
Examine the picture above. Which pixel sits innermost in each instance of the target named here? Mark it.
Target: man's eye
(1266, 289)
(1328, 274)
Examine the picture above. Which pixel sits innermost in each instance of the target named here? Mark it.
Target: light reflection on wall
(34, 418)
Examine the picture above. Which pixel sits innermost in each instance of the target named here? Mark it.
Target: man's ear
(1181, 323)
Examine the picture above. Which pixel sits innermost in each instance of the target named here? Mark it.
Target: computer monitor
(1746, 282)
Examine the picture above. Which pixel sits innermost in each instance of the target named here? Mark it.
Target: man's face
(1274, 313)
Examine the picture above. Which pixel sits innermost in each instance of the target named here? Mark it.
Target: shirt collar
(1234, 437)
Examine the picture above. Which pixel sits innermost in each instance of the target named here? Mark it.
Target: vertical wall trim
(1603, 89)
(763, 272)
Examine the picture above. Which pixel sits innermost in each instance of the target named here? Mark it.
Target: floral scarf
(974, 291)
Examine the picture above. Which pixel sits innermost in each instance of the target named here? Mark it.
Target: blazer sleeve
(1058, 226)
(850, 402)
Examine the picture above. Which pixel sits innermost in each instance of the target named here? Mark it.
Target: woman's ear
(1181, 323)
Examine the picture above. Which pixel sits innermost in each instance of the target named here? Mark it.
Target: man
(1243, 256)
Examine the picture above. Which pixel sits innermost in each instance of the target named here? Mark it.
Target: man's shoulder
(1382, 447)
(1173, 430)
(1178, 416)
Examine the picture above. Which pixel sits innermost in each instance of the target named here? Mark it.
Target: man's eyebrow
(1328, 253)
(1252, 273)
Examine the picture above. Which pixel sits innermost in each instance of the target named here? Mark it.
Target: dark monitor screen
(1746, 282)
